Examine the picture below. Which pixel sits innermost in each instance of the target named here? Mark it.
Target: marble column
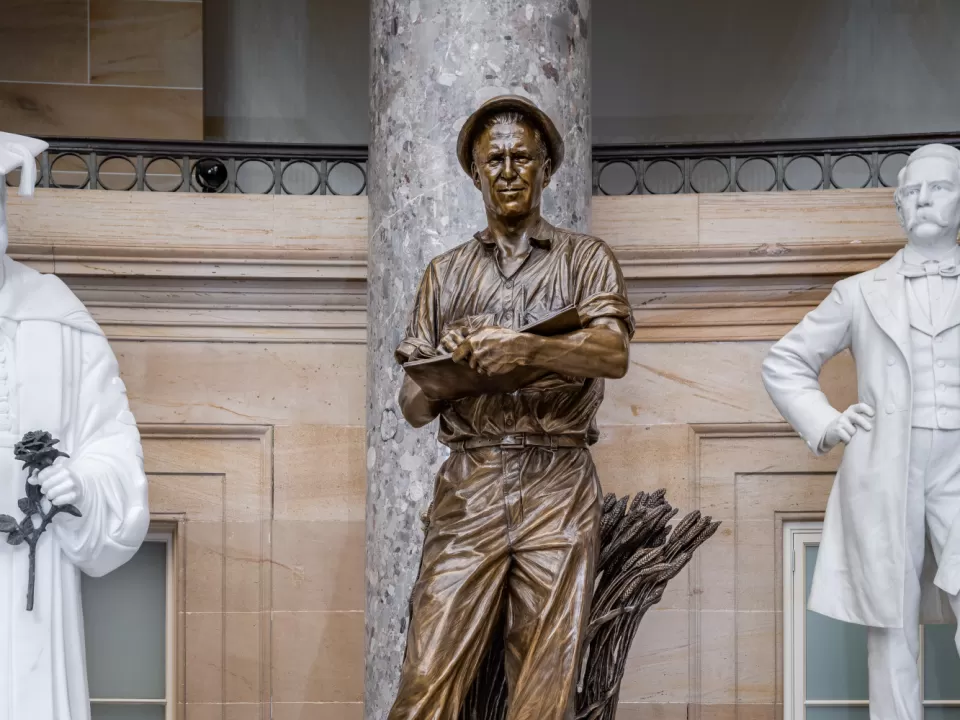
(432, 63)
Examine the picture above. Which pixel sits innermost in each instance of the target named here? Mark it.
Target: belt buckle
(513, 440)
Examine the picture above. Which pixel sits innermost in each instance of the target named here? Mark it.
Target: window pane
(840, 713)
(126, 712)
(125, 622)
(941, 666)
(836, 662)
(941, 713)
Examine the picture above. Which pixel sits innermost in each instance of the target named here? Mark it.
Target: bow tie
(947, 268)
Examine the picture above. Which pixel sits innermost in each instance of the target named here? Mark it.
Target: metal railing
(202, 167)
(289, 169)
(783, 166)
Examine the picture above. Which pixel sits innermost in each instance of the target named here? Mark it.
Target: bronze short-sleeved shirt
(466, 285)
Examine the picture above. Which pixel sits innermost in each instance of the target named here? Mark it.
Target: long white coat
(860, 567)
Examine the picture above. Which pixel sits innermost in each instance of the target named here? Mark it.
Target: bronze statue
(514, 528)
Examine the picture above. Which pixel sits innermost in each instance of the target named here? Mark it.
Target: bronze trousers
(512, 531)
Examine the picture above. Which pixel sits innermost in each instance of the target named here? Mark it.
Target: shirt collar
(911, 256)
(542, 237)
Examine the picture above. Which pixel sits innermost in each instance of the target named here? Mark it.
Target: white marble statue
(58, 374)
(896, 497)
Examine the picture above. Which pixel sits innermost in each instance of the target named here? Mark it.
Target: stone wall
(239, 326)
(102, 68)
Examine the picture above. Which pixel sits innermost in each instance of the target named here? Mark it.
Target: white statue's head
(16, 151)
(928, 196)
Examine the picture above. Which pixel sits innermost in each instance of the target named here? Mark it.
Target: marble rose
(58, 374)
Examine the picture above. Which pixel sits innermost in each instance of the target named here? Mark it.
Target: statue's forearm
(417, 408)
(598, 351)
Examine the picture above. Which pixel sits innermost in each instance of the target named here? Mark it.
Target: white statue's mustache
(927, 216)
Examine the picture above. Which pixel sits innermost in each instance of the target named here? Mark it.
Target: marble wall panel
(44, 41)
(146, 43)
(102, 68)
(59, 110)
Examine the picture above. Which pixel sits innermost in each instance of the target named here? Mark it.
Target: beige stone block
(334, 226)
(318, 711)
(717, 558)
(676, 383)
(657, 669)
(634, 458)
(818, 217)
(320, 472)
(761, 496)
(224, 564)
(756, 565)
(243, 711)
(740, 711)
(248, 553)
(200, 497)
(231, 711)
(318, 565)
(718, 656)
(204, 658)
(334, 223)
(642, 221)
(756, 658)
(652, 711)
(44, 41)
(666, 384)
(143, 42)
(101, 111)
(286, 384)
(204, 570)
(243, 656)
(317, 657)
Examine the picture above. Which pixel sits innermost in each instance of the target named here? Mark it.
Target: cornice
(278, 269)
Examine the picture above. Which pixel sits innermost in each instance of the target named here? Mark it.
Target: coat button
(939, 338)
(941, 363)
(890, 408)
(891, 360)
(941, 387)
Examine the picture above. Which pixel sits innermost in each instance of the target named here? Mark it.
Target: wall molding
(199, 268)
(230, 498)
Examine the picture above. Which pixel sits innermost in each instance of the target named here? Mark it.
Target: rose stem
(33, 573)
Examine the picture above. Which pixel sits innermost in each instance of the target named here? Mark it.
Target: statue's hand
(59, 484)
(846, 425)
(456, 332)
(452, 340)
(492, 350)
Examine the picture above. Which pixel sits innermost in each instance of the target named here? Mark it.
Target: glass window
(128, 630)
(826, 660)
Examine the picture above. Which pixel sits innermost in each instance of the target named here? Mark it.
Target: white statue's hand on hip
(853, 419)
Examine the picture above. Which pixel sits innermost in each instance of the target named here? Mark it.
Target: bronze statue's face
(510, 169)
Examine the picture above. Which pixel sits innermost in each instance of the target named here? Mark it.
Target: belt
(519, 440)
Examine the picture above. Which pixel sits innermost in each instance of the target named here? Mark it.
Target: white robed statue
(58, 374)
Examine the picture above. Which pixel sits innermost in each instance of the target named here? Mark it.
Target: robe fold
(67, 383)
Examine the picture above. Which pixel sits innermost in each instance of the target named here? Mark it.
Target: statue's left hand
(59, 484)
(493, 350)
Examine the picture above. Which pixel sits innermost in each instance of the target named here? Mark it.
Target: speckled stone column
(433, 62)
